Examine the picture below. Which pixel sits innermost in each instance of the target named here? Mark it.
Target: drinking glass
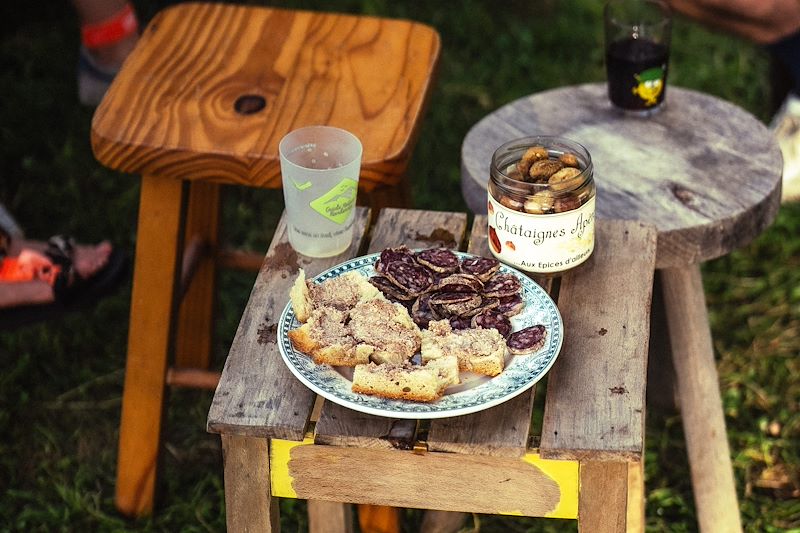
(637, 42)
(320, 166)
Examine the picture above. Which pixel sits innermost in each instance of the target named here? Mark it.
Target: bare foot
(88, 260)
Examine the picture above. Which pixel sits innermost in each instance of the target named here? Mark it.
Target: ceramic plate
(475, 393)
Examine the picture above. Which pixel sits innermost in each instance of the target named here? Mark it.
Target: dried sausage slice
(460, 322)
(454, 303)
(502, 285)
(490, 319)
(482, 267)
(390, 290)
(441, 260)
(421, 311)
(510, 305)
(413, 278)
(390, 255)
(459, 283)
(527, 340)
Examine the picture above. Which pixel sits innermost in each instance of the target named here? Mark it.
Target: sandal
(70, 290)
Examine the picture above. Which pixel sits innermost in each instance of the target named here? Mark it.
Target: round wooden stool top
(704, 172)
(211, 89)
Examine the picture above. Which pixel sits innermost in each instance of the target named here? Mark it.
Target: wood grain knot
(247, 104)
(684, 196)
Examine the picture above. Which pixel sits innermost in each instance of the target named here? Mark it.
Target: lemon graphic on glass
(651, 83)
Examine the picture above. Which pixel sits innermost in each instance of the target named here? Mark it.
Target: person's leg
(25, 293)
(87, 260)
(93, 13)
(109, 32)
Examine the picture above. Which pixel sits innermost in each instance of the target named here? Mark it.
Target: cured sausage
(502, 285)
(390, 290)
(413, 278)
(439, 260)
(460, 283)
(527, 340)
(510, 305)
(490, 319)
(482, 267)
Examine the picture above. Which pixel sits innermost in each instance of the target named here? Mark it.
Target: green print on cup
(337, 203)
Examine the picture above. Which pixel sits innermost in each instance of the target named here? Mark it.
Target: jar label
(541, 243)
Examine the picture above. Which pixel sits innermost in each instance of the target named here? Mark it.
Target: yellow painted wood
(565, 475)
(280, 453)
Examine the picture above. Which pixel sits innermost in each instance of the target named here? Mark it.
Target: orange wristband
(112, 30)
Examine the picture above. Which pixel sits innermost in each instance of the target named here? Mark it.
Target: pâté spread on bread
(454, 312)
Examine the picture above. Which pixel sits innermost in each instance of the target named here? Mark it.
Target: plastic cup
(319, 169)
(637, 37)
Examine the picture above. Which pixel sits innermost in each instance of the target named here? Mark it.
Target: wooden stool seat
(211, 89)
(204, 100)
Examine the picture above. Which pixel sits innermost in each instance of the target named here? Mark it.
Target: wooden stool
(204, 100)
(707, 175)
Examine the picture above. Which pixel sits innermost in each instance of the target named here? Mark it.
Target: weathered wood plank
(596, 389)
(603, 504)
(705, 172)
(249, 505)
(444, 481)
(416, 229)
(500, 430)
(257, 394)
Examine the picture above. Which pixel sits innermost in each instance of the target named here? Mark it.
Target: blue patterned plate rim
(520, 374)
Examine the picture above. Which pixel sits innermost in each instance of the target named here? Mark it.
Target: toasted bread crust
(300, 297)
(478, 350)
(405, 382)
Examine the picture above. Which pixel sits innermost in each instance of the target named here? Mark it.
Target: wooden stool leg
(378, 519)
(701, 404)
(603, 499)
(329, 517)
(249, 505)
(152, 305)
(442, 522)
(636, 498)
(194, 334)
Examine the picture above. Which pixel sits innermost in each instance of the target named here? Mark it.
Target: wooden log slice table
(707, 175)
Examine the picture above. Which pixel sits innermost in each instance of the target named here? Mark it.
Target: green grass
(61, 383)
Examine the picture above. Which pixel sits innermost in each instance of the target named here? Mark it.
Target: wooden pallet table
(584, 462)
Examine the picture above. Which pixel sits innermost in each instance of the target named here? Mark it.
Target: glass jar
(541, 204)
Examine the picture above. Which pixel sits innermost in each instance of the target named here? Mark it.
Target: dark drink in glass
(637, 35)
(637, 73)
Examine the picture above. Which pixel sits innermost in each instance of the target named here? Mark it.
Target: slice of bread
(387, 328)
(300, 297)
(327, 339)
(424, 383)
(478, 350)
(342, 292)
